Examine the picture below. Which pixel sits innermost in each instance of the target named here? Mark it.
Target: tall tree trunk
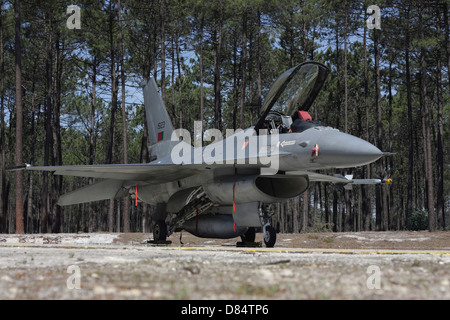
(337, 213)
(292, 47)
(114, 93)
(202, 22)
(306, 195)
(126, 217)
(48, 130)
(243, 66)
(3, 204)
(345, 73)
(409, 197)
(163, 48)
(19, 121)
(118, 214)
(365, 190)
(389, 160)
(235, 83)
(304, 32)
(114, 88)
(56, 136)
(295, 207)
(381, 208)
(29, 215)
(259, 57)
(217, 64)
(326, 205)
(426, 127)
(92, 141)
(180, 97)
(172, 80)
(447, 38)
(347, 196)
(440, 138)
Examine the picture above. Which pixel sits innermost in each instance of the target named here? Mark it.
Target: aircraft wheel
(159, 231)
(249, 235)
(270, 236)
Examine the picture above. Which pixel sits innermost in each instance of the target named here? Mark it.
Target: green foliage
(319, 225)
(418, 220)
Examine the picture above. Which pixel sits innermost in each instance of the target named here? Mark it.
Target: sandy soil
(404, 240)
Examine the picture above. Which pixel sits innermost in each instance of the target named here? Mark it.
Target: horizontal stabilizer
(103, 190)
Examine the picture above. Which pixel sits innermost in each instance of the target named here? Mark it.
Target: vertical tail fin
(160, 126)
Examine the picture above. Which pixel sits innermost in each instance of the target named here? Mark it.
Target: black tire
(249, 235)
(271, 237)
(159, 231)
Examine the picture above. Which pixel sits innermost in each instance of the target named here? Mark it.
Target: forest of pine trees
(69, 94)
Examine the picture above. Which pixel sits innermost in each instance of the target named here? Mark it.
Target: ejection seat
(303, 122)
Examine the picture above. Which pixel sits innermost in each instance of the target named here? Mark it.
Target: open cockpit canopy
(295, 90)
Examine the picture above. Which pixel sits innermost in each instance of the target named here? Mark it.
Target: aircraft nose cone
(341, 150)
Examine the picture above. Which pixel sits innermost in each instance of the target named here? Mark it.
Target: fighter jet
(227, 188)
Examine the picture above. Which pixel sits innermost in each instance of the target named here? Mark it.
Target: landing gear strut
(270, 234)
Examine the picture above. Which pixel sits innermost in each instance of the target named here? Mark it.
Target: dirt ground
(391, 240)
(105, 266)
(403, 240)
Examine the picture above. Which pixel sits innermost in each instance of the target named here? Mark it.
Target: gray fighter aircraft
(226, 189)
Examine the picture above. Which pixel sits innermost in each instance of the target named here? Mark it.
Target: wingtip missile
(19, 167)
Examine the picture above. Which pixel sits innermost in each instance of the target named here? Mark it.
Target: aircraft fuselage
(243, 154)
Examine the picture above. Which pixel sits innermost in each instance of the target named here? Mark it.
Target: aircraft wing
(150, 173)
(115, 178)
(156, 173)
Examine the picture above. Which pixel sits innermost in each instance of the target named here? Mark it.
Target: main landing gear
(248, 238)
(159, 231)
(270, 234)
